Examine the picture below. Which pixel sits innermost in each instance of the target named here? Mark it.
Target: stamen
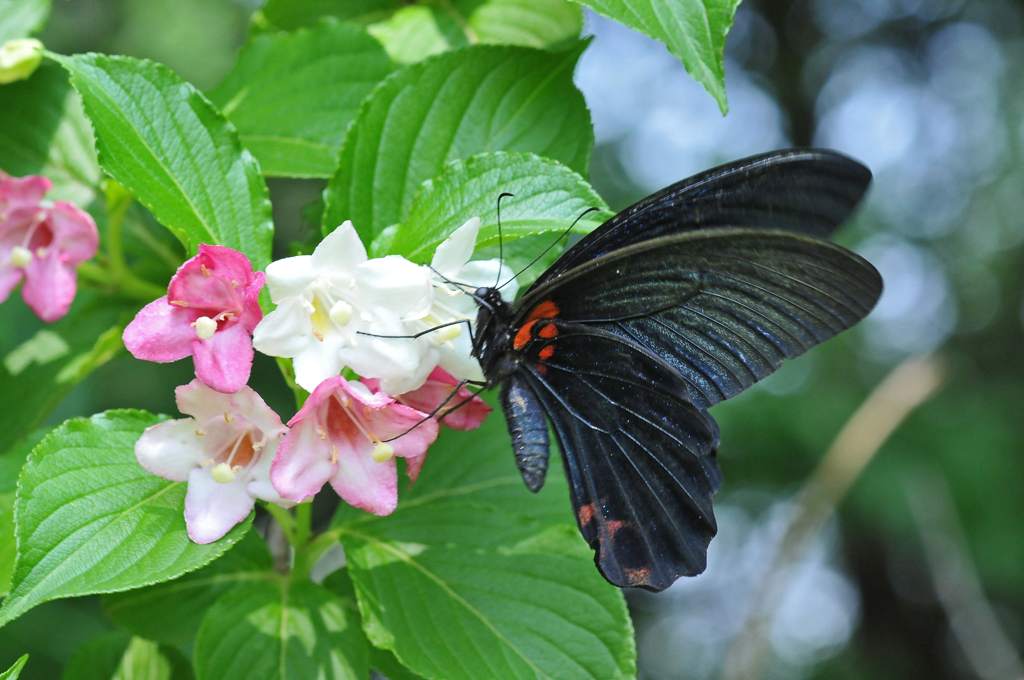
(341, 313)
(205, 271)
(200, 432)
(227, 418)
(223, 473)
(21, 257)
(208, 463)
(41, 252)
(179, 303)
(382, 452)
(205, 327)
(334, 456)
(366, 433)
(234, 449)
(449, 333)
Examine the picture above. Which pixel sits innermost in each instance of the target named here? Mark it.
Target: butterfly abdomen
(529, 429)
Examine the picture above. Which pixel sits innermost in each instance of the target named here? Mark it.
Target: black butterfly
(678, 302)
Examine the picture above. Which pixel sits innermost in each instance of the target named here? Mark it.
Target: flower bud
(222, 473)
(205, 327)
(341, 313)
(21, 257)
(19, 59)
(382, 452)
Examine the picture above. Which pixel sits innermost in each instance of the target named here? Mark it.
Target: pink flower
(223, 451)
(337, 437)
(427, 398)
(42, 243)
(211, 308)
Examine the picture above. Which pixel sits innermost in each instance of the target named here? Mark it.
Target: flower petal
(205, 281)
(160, 332)
(454, 252)
(74, 233)
(289, 277)
(319, 362)
(170, 449)
(366, 484)
(286, 331)
(212, 508)
(436, 389)
(413, 465)
(458, 360)
(50, 286)
(224, 361)
(258, 482)
(303, 462)
(394, 283)
(480, 273)
(10, 277)
(340, 250)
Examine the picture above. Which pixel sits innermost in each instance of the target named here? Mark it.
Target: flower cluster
(398, 325)
(42, 243)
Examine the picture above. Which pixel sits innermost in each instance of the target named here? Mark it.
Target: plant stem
(903, 390)
(285, 519)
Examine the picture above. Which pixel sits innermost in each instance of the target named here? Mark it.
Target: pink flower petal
(170, 449)
(74, 233)
(224, 361)
(212, 508)
(366, 484)
(303, 462)
(50, 286)
(252, 313)
(22, 193)
(161, 332)
(10, 277)
(468, 416)
(413, 465)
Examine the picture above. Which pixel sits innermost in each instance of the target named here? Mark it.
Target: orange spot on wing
(523, 335)
(638, 577)
(586, 513)
(546, 353)
(548, 331)
(612, 526)
(545, 310)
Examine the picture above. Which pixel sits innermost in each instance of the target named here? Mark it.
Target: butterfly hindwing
(806, 191)
(639, 457)
(722, 307)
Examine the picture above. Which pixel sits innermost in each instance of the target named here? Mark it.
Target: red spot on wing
(523, 335)
(545, 310)
(546, 353)
(638, 577)
(586, 513)
(548, 331)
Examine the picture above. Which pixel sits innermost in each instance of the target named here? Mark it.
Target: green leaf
(91, 520)
(38, 371)
(171, 612)
(264, 631)
(292, 96)
(22, 18)
(98, 658)
(546, 197)
(501, 575)
(160, 138)
(14, 671)
(45, 132)
(8, 542)
(447, 108)
(288, 15)
(693, 30)
(143, 661)
(532, 23)
(414, 33)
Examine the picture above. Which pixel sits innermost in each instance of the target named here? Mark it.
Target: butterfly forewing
(807, 191)
(722, 307)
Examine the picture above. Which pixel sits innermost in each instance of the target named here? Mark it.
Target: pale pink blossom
(224, 452)
(338, 437)
(209, 312)
(42, 243)
(455, 414)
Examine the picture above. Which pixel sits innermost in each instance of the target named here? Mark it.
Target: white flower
(223, 451)
(329, 301)
(452, 303)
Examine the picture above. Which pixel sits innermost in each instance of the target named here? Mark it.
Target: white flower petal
(454, 252)
(459, 363)
(396, 284)
(286, 331)
(483, 273)
(170, 449)
(257, 476)
(318, 362)
(289, 277)
(212, 508)
(341, 250)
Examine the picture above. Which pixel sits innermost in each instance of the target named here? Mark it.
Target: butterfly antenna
(553, 244)
(501, 254)
(455, 391)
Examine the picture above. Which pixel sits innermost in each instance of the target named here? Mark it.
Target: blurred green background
(921, 574)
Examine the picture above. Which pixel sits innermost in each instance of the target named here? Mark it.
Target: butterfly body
(676, 303)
